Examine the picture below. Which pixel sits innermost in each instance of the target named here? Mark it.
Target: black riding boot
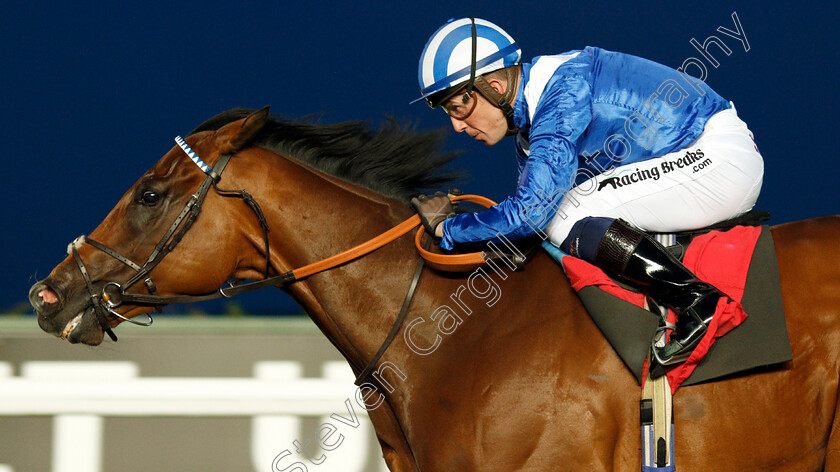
(634, 256)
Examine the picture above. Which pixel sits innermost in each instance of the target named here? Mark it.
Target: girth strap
(657, 414)
(657, 424)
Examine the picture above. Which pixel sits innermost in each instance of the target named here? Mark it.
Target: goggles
(461, 105)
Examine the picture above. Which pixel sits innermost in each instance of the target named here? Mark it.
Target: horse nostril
(48, 296)
(44, 298)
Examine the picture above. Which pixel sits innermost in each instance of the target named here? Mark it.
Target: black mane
(395, 161)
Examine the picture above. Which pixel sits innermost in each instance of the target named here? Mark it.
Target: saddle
(744, 267)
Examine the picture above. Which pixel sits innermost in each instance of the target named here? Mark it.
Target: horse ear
(233, 136)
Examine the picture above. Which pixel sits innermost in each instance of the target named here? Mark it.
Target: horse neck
(313, 215)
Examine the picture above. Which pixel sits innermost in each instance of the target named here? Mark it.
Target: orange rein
(451, 263)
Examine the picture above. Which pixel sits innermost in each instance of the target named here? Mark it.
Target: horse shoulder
(520, 375)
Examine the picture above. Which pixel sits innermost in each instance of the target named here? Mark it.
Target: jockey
(608, 146)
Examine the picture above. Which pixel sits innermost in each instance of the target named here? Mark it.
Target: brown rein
(454, 262)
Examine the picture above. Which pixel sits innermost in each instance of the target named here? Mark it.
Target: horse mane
(396, 161)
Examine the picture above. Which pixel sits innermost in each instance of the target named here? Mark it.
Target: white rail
(174, 397)
(80, 394)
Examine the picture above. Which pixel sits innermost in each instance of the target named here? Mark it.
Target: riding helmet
(446, 60)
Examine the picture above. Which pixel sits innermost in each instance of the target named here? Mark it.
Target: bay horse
(510, 375)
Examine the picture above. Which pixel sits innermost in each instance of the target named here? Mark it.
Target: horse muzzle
(64, 314)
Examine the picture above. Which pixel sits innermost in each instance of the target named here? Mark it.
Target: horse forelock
(396, 160)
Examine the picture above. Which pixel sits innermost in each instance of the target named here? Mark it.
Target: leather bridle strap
(101, 318)
(285, 278)
(255, 207)
(316, 267)
(150, 285)
(395, 328)
(187, 216)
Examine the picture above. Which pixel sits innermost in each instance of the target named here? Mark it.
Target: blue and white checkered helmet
(447, 58)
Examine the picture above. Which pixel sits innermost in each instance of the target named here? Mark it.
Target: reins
(113, 294)
(454, 262)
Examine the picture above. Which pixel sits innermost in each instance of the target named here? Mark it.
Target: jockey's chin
(488, 135)
(486, 124)
(491, 140)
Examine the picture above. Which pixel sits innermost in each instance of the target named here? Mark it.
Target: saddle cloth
(742, 263)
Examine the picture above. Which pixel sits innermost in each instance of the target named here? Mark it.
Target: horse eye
(149, 198)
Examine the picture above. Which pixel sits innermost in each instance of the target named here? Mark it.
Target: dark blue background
(92, 95)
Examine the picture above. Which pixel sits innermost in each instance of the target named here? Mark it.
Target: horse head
(140, 228)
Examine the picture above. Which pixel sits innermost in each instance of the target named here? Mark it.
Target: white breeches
(715, 178)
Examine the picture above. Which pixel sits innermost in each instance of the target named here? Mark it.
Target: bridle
(114, 294)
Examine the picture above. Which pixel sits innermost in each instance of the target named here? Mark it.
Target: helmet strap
(503, 102)
(472, 60)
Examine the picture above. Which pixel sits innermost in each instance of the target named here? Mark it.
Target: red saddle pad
(719, 258)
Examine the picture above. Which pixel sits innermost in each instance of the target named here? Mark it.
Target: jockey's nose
(458, 125)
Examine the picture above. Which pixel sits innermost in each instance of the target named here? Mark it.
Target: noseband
(114, 294)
